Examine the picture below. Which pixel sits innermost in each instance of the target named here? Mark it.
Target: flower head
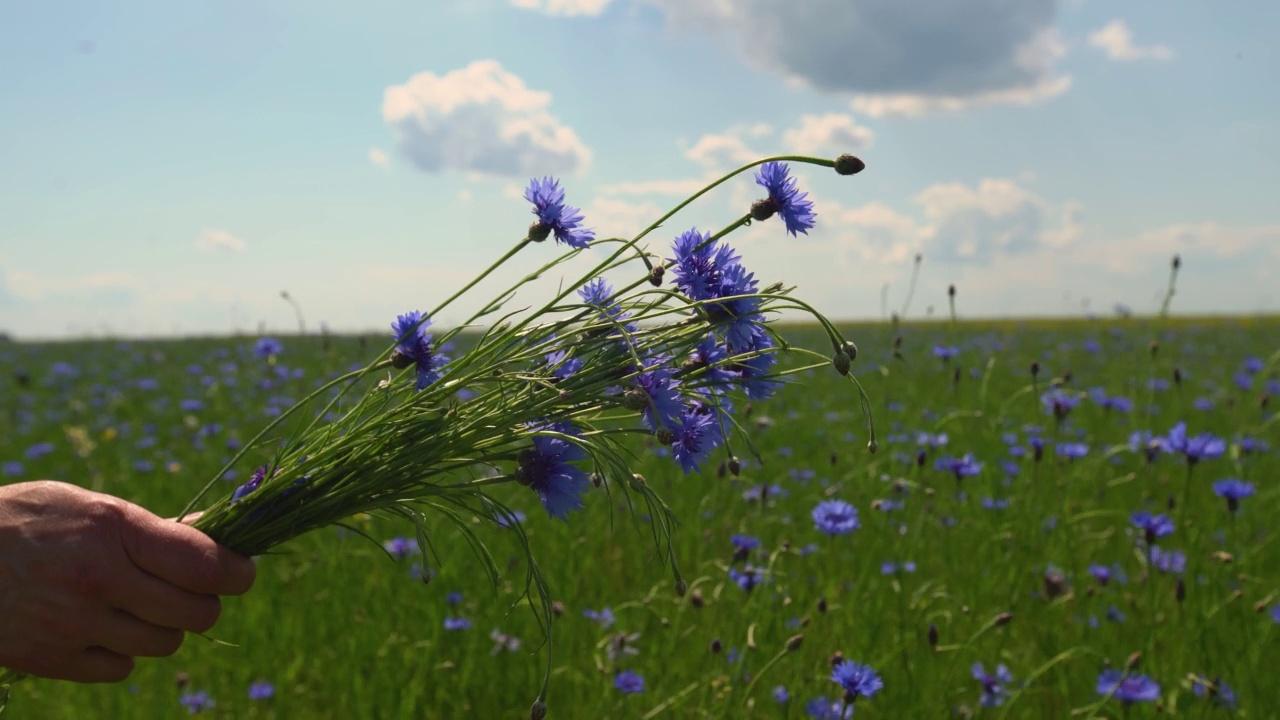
(1128, 688)
(547, 468)
(785, 198)
(858, 680)
(1200, 447)
(697, 434)
(261, 690)
(196, 702)
(554, 216)
(835, 517)
(1152, 526)
(1218, 692)
(629, 682)
(1233, 490)
(414, 346)
(993, 691)
(267, 347)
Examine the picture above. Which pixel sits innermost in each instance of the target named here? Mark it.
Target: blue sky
(170, 167)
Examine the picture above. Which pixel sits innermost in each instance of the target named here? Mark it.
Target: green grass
(342, 631)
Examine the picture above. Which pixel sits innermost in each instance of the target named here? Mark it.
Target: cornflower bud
(848, 164)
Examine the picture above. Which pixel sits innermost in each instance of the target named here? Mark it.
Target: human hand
(89, 581)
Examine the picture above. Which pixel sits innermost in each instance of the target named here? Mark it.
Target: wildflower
(1150, 445)
(196, 702)
(961, 467)
(1101, 573)
(1128, 688)
(1169, 561)
(993, 691)
(1233, 490)
(748, 578)
(12, 468)
(785, 199)
(621, 645)
(1201, 447)
(255, 481)
(629, 682)
(835, 517)
(503, 641)
(457, 623)
(554, 216)
(991, 503)
(945, 352)
(753, 372)
(659, 390)
(509, 517)
(604, 617)
(821, 708)
(261, 690)
(267, 347)
(1152, 526)
(697, 434)
(560, 365)
(453, 598)
(400, 547)
(547, 469)
(1072, 451)
(1115, 615)
(413, 347)
(1218, 692)
(1275, 613)
(1059, 403)
(858, 680)
(744, 542)
(780, 694)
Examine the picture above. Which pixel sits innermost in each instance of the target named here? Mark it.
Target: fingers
(91, 665)
(155, 601)
(186, 557)
(122, 633)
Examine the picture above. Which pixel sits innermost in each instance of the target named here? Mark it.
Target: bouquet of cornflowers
(546, 397)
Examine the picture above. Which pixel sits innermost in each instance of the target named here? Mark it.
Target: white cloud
(721, 151)
(1115, 39)
(110, 287)
(465, 196)
(1204, 241)
(830, 134)
(611, 217)
(565, 8)
(482, 119)
(211, 240)
(896, 57)
(379, 158)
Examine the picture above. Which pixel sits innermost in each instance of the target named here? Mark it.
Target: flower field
(1061, 520)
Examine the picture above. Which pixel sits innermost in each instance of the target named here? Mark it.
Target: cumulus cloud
(566, 8)
(611, 217)
(112, 289)
(1115, 40)
(829, 134)
(480, 119)
(379, 158)
(211, 240)
(721, 151)
(895, 57)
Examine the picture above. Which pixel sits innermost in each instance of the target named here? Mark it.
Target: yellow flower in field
(109, 434)
(175, 467)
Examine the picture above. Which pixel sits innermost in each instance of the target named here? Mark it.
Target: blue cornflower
(1201, 447)
(561, 365)
(858, 680)
(744, 542)
(1072, 451)
(1218, 692)
(605, 617)
(629, 682)
(547, 469)
(698, 266)
(748, 578)
(945, 352)
(737, 318)
(707, 366)
(255, 481)
(453, 598)
(785, 199)
(1115, 615)
(1152, 526)
(400, 547)
(267, 347)
(1101, 573)
(509, 517)
(457, 623)
(821, 708)
(39, 450)
(835, 517)
(1250, 445)
(1149, 444)
(196, 702)
(1169, 561)
(554, 216)
(754, 373)
(1128, 688)
(961, 467)
(1059, 403)
(991, 503)
(697, 434)
(1233, 489)
(261, 690)
(780, 694)
(1275, 613)
(414, 347)
(993, 691)
(659, 390)
(1253, 365)
(12, 468)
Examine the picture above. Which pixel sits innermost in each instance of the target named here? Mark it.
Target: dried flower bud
(836, 658)
(695, 598)
(665, 435)
(681, 587)
(872, 446)
(851, 350)
(1153, 347)
(635, 399)
(822, 604)
(840, 361)
(538, 711)
(557, 608)
(181, 679)
(1180, 591)
(1177, 262)
(716, 645)
(933, 636)
(399, 360)
(1131, 663)
(951, 291)
(794, 642)
(1035, 369)
(1003, 619)
(655, 275)
(848, 164)
(735, 465)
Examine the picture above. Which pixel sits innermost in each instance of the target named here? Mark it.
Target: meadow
(996, 525)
